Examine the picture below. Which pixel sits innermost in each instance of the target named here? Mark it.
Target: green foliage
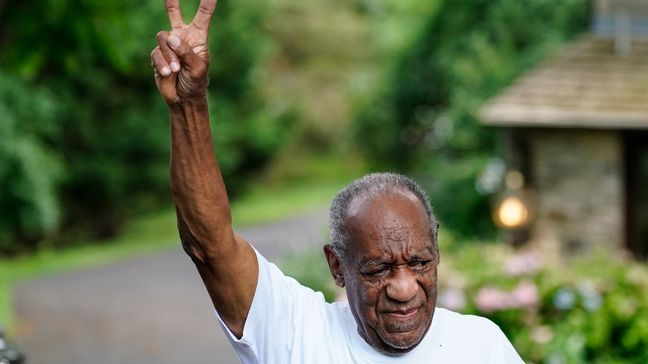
(591, 309)
(424, 119)
(30, 167)
(309, 267)
(89, 131)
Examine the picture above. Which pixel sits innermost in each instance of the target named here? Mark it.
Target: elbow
(204, 249)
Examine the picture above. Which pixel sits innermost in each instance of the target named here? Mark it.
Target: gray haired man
(384, 249)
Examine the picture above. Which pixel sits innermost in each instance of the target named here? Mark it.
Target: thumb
(188, 58)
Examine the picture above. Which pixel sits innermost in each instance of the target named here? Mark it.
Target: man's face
(390, 272)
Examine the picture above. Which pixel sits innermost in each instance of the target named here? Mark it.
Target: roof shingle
(586, 85)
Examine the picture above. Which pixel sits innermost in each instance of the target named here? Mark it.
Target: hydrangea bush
(590, 309)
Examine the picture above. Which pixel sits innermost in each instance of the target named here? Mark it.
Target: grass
(157, 231)
(263, 205)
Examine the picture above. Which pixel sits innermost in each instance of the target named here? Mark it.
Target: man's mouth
(402, 315)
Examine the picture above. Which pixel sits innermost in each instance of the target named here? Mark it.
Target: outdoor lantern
(513, 210)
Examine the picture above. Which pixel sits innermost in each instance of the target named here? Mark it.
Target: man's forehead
(361, 203)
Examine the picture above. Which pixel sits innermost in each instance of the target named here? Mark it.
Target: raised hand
(181, 59)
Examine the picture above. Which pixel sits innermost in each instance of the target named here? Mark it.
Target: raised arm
(226, 262)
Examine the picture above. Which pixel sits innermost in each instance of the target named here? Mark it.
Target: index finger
(204, 14)
(175, 15)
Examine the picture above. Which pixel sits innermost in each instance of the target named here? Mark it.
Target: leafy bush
(424, 119)
(589, 310)
(30, 167)
(310, 268)
(88, 131)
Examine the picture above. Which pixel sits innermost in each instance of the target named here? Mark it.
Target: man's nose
(402, 286)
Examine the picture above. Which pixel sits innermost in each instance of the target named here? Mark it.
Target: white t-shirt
(290, 323)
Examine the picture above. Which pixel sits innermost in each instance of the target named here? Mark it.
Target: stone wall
(609, 17)
(577, 176)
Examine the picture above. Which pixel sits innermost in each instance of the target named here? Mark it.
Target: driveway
(152, 309)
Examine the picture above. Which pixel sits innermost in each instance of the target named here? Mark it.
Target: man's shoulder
(469, 339)
(452, 317)
(463, 325)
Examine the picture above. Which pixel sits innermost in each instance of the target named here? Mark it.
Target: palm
(195, 37)
(194, 33)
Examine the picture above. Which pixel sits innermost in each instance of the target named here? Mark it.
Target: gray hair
(371, 185)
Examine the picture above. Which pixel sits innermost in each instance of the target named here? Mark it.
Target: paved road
(146, 310)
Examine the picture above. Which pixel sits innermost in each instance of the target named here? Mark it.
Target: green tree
(77, 86)
(30, 167)
(424, 120)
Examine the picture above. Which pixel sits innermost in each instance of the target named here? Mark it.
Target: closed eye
(420, 264)
(378, 272)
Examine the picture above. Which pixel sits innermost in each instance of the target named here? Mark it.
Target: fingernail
(165, 71)
(173, 41)
(175, 67)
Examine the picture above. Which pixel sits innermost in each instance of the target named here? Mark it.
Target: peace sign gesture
(181, 59)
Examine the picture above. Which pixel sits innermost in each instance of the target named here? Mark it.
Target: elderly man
(384, 250)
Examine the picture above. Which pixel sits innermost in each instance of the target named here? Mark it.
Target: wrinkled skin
(390, 270)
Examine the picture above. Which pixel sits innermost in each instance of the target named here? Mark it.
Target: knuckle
(182, 51)
(197, 73)
(161, 38)
(201, 67)
(204, 9)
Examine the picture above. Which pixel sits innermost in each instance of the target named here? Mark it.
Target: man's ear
(436, 244)
(335, 265)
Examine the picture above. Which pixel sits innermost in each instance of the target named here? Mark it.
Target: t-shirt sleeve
(502, 349)
(280, 310)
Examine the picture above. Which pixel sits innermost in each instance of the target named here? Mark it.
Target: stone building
(577, 129)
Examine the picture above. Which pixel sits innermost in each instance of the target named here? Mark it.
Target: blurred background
(525, 121)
